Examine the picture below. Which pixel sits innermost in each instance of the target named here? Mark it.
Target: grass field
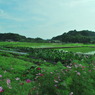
(47, 72)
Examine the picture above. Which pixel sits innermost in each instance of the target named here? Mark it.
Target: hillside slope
(84, 36)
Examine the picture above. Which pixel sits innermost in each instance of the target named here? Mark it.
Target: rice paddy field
(41, 45)
(79, 49)
(43, 70)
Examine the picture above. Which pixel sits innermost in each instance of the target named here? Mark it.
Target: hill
(17, 37)
(84, 36)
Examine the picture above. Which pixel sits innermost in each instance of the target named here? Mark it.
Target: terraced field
(43, 71)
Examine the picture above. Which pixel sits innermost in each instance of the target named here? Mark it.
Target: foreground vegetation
(46, 72)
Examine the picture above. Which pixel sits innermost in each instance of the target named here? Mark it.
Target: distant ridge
(74, 36)
(18, 38)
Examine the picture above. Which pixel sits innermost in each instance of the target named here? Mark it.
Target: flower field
(46, 72)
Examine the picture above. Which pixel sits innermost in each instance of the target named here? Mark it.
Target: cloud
(5, 15)
(2, 12)
(76, 3)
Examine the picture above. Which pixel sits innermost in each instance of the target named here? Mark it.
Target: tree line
(18, 38)
(74, 36)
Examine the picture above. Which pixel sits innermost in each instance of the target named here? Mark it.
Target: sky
(46, 18)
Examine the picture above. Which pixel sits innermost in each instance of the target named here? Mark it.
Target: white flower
(17, 78)
(71, 93)
(78, 73)
(68, 67)
(55, 81)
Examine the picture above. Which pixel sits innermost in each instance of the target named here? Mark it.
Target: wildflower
(28, 80)
(36, 78)
(76, 66)
(51, 72)
(56, 86)
(17, 78)
(38, 68)
(80, 65)
(41, 74)
(0, 76)
(55, 81)
(78, 73)
(9, 86)
(68, 67)
(8, 81)
(83, 66)
(1, 89)
(71, 93)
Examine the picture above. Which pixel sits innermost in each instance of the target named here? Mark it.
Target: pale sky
(46, 18)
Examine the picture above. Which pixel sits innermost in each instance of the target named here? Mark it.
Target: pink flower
(41, 74)
(83, 66)
(8, 81)
(0, 76)
(28, 80)
(38, 68)
(1, 89)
